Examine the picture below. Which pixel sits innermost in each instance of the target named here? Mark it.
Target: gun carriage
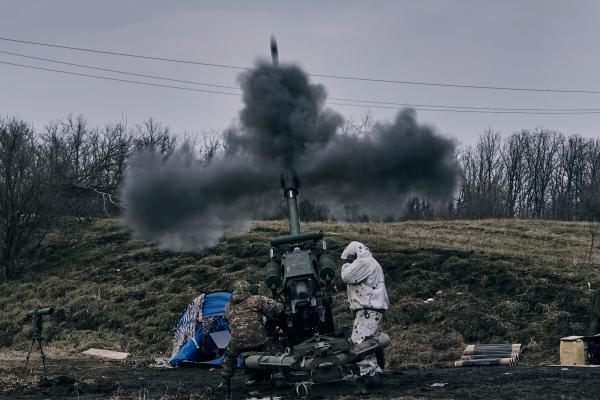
(301, 273)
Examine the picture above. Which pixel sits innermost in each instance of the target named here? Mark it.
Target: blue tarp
(214, 303)
(206, 352)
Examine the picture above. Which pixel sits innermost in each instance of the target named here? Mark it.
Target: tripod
(40, 346)
(36, 336)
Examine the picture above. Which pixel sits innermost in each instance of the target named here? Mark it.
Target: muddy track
(93, 379)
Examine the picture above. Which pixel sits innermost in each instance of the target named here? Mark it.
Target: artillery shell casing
(489, 362)
(477, 349)
(494, 352)
(493, 346)
(477, 353)
(484, 356)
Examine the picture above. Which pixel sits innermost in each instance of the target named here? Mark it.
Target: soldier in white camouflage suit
(245, 313)
(368, 299)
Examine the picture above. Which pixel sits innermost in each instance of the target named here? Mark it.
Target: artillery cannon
(300, 273)
(304, 272)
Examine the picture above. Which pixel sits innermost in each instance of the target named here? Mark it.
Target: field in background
(490, 281)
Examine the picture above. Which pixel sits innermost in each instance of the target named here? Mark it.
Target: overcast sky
(545, 44)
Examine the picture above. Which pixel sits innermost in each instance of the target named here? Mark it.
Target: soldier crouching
(245, 313)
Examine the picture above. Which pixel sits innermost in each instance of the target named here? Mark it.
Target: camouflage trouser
(366, 323)
(229, 363)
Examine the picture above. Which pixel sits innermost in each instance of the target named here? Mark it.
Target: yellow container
(576, 350)
(572, 350)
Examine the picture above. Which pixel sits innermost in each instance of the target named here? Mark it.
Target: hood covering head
(356, 249)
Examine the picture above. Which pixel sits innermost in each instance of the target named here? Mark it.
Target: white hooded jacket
(364, 277)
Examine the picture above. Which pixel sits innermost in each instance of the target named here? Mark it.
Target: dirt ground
(78, 378)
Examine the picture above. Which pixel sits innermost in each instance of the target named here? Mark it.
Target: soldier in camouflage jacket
(245, 316)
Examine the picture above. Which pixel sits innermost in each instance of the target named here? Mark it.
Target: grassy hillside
(492, 280)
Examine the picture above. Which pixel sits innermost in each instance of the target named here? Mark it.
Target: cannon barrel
(274, 51)
(290, 185)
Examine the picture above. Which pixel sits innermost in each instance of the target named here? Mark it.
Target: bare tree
(88, 162)
(490, 174)
(568, 179)
(365, 124)
(362, 126)
(592, 207)
(27, 195)
(481, 187)
(540, 155)
(347, 127)
(211, 145)
(151, 134)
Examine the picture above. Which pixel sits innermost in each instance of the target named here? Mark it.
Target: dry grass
(145, 394)
(491, 280)
(13, 383)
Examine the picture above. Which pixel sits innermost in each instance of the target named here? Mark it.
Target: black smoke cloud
(283, 118)
(373, 173)
(183, 203)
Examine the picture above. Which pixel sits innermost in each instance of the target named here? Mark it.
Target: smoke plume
(283, 118)
(372, 174)
(183, 203)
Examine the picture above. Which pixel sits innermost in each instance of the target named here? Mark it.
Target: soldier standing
(245, 313)
(368, 299)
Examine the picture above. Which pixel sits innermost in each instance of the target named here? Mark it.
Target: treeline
(530, 174)
(70, 169)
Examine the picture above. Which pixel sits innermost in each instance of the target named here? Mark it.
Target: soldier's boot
(225, 386)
